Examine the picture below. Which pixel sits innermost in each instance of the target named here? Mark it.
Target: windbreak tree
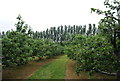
(89, 31)
(94, 29)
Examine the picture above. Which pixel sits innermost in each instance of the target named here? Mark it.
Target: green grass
(53, 70)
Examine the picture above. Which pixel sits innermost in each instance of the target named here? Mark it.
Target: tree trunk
(118, 76)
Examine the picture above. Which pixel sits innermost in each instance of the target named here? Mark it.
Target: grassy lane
(53, 70)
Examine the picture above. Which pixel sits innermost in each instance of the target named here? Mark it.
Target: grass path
(59, 67)
(53, 70)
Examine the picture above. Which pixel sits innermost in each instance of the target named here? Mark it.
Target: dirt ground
(70, 71)
(25, 71)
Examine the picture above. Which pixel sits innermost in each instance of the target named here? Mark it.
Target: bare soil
(70, 71)
(25, 71)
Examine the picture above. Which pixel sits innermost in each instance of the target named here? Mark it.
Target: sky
(43, 14)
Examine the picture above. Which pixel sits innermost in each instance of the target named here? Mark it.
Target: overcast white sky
(42, 14)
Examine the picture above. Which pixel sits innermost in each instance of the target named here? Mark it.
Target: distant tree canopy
(60, 33)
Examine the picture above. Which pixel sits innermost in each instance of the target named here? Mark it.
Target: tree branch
(112, 18)
(103, 72)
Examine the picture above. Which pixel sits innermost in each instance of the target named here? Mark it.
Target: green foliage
(53, 49)
(92, 53)
(111, 22)
(20, 46)
(38, 48)
(60, 34)
(110, 28)
(16, 49)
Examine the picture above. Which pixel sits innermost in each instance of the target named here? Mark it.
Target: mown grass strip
(53, 70)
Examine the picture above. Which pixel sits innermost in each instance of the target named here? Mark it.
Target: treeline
(23, 45)
(61, 33)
